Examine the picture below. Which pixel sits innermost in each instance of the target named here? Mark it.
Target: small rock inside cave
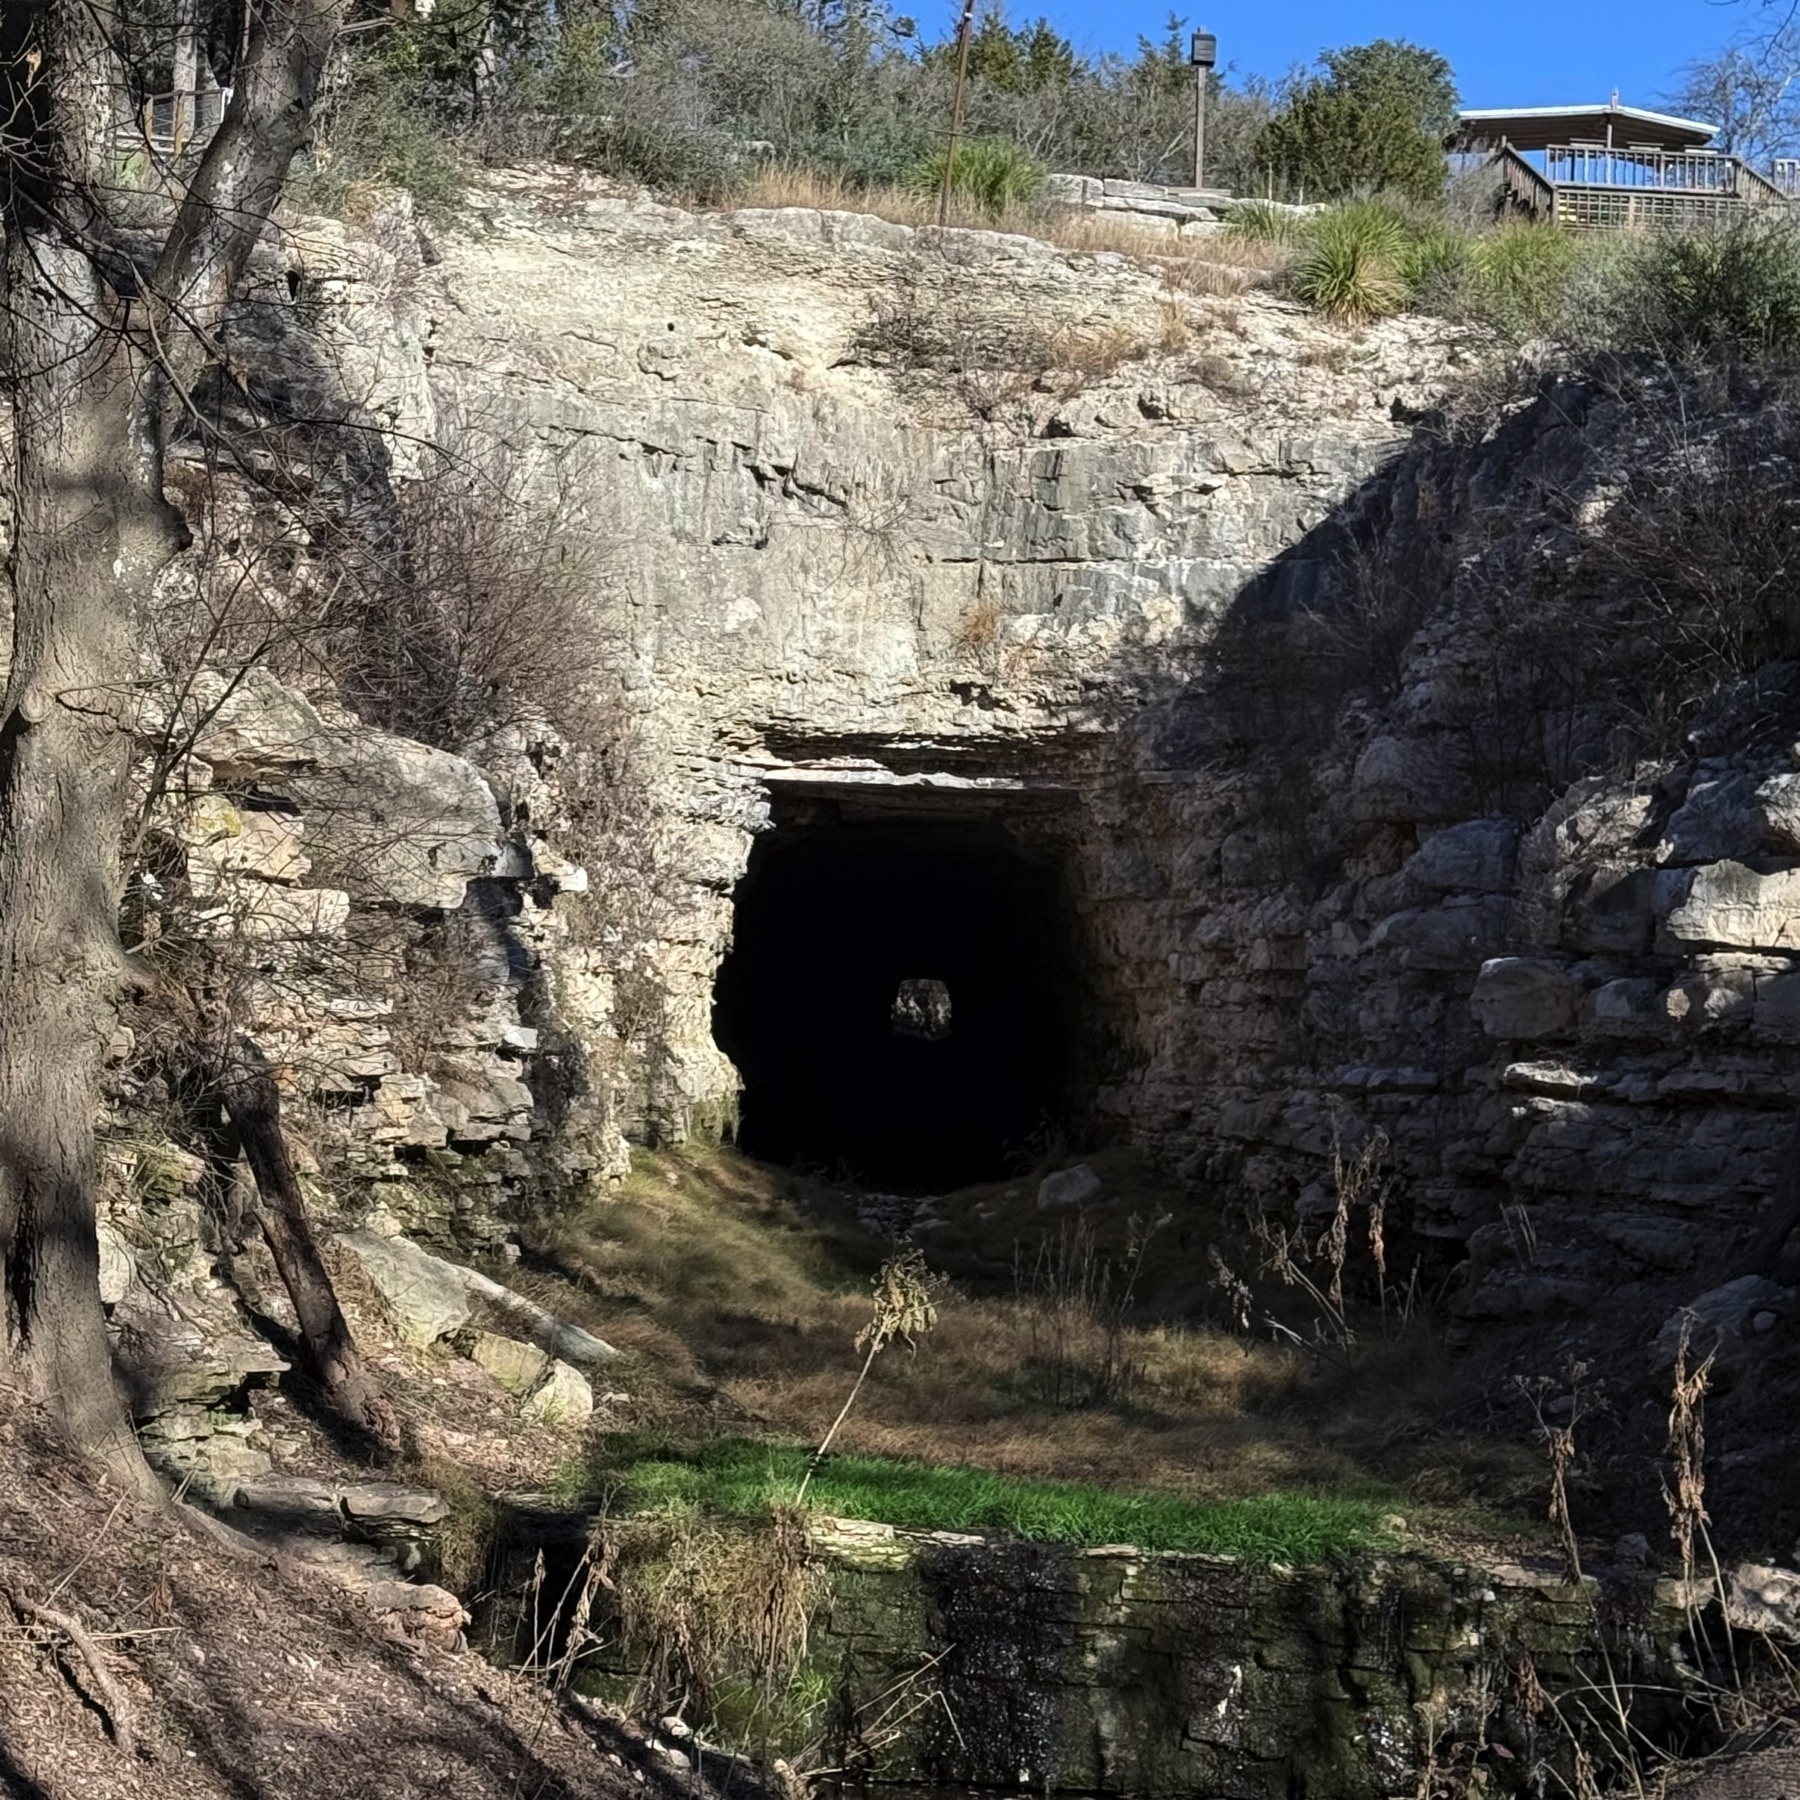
(922, 1009)
(852, 1061)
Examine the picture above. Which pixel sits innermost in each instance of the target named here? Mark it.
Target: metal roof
(1540, 127)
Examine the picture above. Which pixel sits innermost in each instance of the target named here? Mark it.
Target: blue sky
(1504, 54)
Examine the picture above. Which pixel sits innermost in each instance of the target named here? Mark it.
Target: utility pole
(1203, 53)
(963, 33)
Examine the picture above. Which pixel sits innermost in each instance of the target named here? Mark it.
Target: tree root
(118, 1708)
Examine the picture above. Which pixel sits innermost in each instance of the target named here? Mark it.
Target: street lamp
(1203, 53)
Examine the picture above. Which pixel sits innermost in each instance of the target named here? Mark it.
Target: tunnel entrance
(900, 997)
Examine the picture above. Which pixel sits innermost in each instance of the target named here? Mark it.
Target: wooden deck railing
(1594, 186)
(172, 123)
(1668, 171)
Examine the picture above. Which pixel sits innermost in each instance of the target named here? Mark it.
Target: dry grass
(245, 1676)
(741, 1290)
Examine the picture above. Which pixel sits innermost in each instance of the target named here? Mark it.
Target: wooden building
(1609, 167)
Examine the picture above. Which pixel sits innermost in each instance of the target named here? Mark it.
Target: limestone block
(392, 1504)
(1476, 857)
(1731, 905)
(1723, 1322)
(1618, 908)
(424, 823)
(1764, 1599)
(1519, 998)
(1068, 1187)
(517, 1367)
(291, 1499)
(1710, 998)
(1627, 1008)
(1775, 1011)
(254, 725)
(427, 1297)
(118, 1267)
(432, 1298)
(564, 1398)
(1721, 817)
(1407, 780)
(1779, 799)
(264, 913)
(1455, 935)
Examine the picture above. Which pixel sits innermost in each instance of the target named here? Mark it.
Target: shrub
(1519, 276)
(1734, 286)
(994, 173)
(374, 129)
(1352, 264)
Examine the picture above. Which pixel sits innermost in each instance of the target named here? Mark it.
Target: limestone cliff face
(1560, 994)
(1177, 587)
(883, 508)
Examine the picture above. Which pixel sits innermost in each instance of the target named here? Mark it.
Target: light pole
(1203, 53)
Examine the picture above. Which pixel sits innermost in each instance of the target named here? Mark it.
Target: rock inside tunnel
(901, 996)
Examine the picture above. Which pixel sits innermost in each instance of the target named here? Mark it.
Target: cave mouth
(899, 998)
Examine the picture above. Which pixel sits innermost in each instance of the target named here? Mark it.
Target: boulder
(416, 1612)
(426, 1297)
(1722, 1322)
(563, 1398)
(517, 1367)
(1476, 858)
(1523, 997)
(431, 1298)
(1068, 1187)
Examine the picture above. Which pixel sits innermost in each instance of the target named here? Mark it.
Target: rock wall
(1289, 670)
(950, 1661)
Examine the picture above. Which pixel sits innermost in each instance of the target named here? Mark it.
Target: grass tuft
(739, 1478)
(994, 173)
(1351, 266)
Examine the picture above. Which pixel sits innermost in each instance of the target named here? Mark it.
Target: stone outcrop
(1110, 1671)
(1205, 601)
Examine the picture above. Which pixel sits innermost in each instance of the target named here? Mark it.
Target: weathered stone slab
(431, 1298)
(563, 1398)
(1523, 997)
(517, 1367)
(1731, 905)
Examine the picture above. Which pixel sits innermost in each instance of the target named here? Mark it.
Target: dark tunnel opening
(900, 997)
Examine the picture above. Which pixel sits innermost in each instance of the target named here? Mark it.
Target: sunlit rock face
(1165, 662)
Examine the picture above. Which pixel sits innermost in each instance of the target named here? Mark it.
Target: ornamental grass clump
(1351, 266)
(1263, 222)
(992, 173)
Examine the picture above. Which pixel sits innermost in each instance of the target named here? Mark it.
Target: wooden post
(187, 72)
(963, 33)
(1199, 125)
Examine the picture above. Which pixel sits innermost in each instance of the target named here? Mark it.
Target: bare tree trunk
(89, 535)
(97, 348)
(246, 1084)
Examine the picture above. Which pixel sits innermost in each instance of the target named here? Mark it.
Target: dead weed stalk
(903, 1309)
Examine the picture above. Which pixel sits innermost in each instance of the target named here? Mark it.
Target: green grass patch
(741, 1478)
